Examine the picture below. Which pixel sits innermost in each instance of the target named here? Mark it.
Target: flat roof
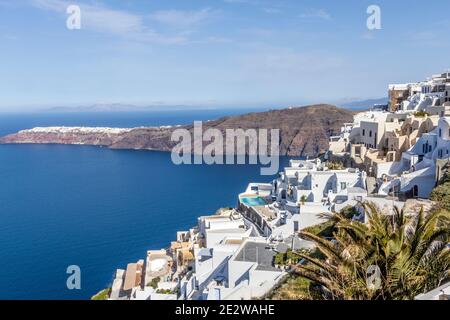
(154, 256)
(258, 252)
(235, 230)
(356, 190)
(266, 212)
(132, 276)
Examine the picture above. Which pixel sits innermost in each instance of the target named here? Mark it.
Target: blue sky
(215, 52)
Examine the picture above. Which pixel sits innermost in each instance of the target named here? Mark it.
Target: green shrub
(335, 165)
(295, 288)
(421, 114)
(102, 295)
(349, 212)
(164, 291)
(441, 194)
(279, 258)
(323, 229)
(154, 282)
(288, 258)
(327, 228)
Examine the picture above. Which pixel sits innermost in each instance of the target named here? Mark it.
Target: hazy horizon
(123, 107)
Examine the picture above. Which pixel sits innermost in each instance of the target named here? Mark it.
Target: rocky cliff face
(304, 131)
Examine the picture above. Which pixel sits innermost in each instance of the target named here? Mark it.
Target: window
(343, 185)
(370, 133)
(440, 132)
(364, 132)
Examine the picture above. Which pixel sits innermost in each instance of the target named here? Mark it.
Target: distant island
(304, 131)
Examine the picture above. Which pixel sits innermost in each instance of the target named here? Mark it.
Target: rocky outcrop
(304, 131)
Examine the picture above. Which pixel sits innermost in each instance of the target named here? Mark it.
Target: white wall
(377, 133)
(423, 178)
(389, 168)
(220, 254)
(236, 271)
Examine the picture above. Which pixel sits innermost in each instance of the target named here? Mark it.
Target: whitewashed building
(303, 192)
(249, 273)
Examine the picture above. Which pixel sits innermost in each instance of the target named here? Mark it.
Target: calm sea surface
(98, 208)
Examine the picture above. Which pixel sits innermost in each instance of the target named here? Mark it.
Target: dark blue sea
(98, 208)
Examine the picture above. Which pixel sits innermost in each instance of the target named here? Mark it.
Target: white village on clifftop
(392, 155)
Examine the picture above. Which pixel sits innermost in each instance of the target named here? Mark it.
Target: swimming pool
(253, 201)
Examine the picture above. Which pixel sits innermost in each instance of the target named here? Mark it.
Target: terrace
(159, 264)
(260, 253)
(267, 213)
(133, 275)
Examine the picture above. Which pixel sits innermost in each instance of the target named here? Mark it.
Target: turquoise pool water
(253, 201)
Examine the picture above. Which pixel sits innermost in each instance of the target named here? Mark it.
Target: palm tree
(410, 255)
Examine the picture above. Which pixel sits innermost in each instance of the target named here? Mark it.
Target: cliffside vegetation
(441, 194)
(296, 288)
(102, 295)
(410, 252)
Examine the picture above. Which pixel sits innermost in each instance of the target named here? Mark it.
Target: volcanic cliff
(304, 131)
